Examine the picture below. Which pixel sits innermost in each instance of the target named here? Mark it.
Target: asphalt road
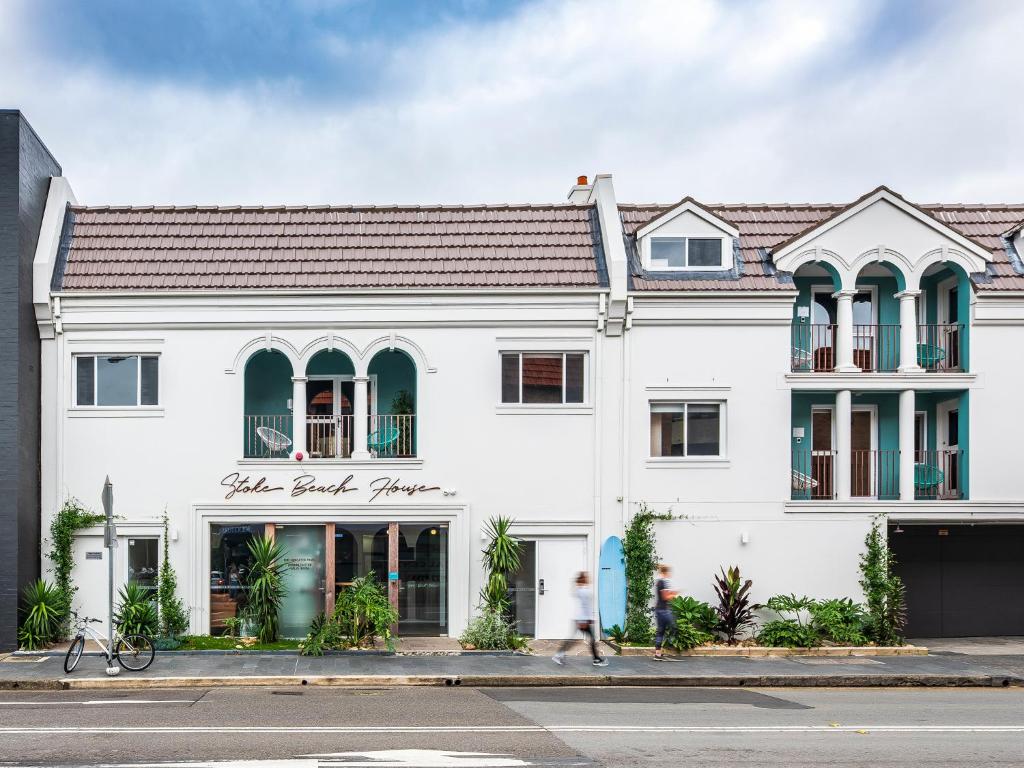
(509, 727)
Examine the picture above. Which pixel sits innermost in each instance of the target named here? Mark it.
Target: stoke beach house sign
(308, 485)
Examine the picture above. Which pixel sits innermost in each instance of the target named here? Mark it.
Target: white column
(908, 331)
(360, 417)
(299, 414)
(907, 407)
(844, 442)
(844, 332)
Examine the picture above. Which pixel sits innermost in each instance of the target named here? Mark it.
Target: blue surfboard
(611, 584)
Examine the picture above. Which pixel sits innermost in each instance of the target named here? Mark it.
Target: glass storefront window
(423, 579)
(230, 561)
(358, 550)
(143, 562)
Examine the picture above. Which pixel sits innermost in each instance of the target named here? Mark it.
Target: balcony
(876, 475)
(939, 346)
(330, 412)
(938, 474)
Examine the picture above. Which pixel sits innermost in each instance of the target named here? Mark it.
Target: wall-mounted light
(744, 538)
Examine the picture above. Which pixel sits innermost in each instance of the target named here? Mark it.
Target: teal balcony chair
(928, 477)
(930, 355)
(382, 441)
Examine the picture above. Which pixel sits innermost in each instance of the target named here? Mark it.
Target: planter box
(764, 652)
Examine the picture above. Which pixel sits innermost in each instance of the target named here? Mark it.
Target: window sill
(690, 462)
(554, 408)
(116, 412)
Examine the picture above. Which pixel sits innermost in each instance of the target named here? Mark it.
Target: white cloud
(726, 101)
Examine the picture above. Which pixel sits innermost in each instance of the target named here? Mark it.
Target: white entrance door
(559, 560)
(90, 574)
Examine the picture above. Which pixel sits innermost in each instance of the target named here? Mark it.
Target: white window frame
(724, 265)
(138, 382)
(545, 353)
(722, 446)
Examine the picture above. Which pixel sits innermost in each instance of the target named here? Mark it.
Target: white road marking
(91, 702)
(427, 729)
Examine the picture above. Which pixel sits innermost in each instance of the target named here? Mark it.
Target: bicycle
(133, 652)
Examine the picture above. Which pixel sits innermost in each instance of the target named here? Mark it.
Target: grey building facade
(26, 167)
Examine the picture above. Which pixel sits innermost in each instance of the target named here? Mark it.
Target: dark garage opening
(961, 580)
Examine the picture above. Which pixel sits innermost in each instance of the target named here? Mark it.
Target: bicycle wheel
(135, 652)
(74, 654)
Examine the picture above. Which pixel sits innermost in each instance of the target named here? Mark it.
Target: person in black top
(663, 592)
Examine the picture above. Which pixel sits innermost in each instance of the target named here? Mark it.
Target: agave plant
(734, 609)
(136, 613)
(501, 558)
(43, 609)
(266, 587)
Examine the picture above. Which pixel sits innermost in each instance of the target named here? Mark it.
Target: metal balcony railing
(392, 435)
(261, 443)
(329, 437)
(813, 475)
(938, 474)
(876, 347)
(813, 347)
(874, 474)
(939, 346)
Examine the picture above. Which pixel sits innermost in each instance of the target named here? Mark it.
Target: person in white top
(584, 620)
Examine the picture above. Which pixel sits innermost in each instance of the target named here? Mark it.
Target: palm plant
(43, 611)
(266, 586)
(136, 613)
(501, 558)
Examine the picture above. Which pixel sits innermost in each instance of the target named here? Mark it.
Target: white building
(774, 375)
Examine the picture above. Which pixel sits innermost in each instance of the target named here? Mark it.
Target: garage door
(961, 580)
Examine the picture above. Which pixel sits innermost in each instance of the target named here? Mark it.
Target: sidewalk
(208, 669)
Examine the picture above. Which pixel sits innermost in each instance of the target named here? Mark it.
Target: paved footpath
(177, 669)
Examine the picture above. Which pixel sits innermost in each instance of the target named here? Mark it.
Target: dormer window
(694, 253)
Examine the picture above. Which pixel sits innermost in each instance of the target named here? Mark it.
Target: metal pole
(110, 542)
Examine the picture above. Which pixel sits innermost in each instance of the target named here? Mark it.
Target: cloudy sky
(366, 101)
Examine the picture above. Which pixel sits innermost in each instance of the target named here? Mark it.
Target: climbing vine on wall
(641, 553)
(72, 517)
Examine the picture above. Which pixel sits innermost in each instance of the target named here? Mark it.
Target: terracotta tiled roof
(507, 246)
(763, 227)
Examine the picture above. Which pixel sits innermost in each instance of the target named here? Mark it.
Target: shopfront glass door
(304, 580)
(423, 579)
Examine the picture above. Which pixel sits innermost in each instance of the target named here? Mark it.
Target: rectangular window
(686, 429)
(116, 380)
(686, 253)
(542, 378)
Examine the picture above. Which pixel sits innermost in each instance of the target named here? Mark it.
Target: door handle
(540, 589)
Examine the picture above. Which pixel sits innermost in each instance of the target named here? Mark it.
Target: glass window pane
(117, 380)
(824, 309)
(423, 579)
(143, 562)
(667, 432)
(542, 378)
(953, 427)
(230, 562)
(574, 378)
(705, 252)
(510, 378)
(702, 430)
(86, 368)
(862, 312)
(149, 380)
(668, 252)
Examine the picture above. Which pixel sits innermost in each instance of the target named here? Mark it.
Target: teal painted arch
(330, 362)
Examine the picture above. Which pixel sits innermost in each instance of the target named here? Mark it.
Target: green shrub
(173, 616)
(266, 586)
(43, 610)
(694, 612)
(616, 634)
(682, 636)
(787, 633)
(136, 612)
(883, 589)
(839, 620)
(492, 631)
(361, 613)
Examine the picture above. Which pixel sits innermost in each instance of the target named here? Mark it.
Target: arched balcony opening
(815, 318)
(943, 311)
(876, 317)
(329, 405)
(392, 397)
(267, 420)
